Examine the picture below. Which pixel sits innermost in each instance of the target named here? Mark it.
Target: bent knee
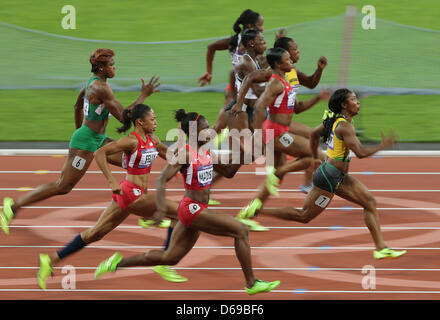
(64, 188)
(370, 203)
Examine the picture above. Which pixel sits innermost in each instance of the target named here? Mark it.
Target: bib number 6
(78, 163)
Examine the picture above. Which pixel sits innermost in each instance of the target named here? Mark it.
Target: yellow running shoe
(249, 211)
(165, 223)
(45, 270)
(169, 274)
(7, 214)
(213, 202)
(108, 265)
(253, 225)
(262, 286)
(388, 253)
(272, 181)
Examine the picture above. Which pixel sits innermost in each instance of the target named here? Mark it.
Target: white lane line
(240, 172)
(226, 190)
(323, 247)
(312, 268)
(293, 291)
(238, 208)
(333, 228)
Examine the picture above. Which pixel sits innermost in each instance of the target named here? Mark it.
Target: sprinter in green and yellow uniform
(332, 177)
(93, 107)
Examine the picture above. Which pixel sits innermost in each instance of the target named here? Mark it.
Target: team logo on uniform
(137, 192)
(193, 208)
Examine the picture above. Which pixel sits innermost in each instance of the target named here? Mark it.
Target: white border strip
(293, 291)
(383, 153)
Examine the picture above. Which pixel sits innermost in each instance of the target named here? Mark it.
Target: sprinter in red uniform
(196, 167)
(140, 148)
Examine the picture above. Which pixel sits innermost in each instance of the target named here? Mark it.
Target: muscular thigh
(145, 206)
(353, 190)
(293, 145)
(111, 217)
(76, 165)
(217, 224)
(317, 200)
(300, 129)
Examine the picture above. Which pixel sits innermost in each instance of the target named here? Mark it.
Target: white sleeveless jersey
(238, 82)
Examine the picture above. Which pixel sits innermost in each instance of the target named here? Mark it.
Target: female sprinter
(139, 148)
(248, 19)
(193, 212)
(295, 78)
(281, 98)
(99, 103)
(332, 177)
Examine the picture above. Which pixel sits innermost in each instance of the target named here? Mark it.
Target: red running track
(320, 260)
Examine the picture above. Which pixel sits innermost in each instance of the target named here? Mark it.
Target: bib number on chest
(331, 142)
(291, 99)
(148, 156)
(86, 107)
(204, 175)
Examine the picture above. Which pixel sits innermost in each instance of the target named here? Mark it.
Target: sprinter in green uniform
(93, 107)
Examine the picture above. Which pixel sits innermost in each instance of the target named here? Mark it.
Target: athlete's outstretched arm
(313, 80)
(222, 44)
(125, 144)
(78, 107)
(348, 134)
(105, 94)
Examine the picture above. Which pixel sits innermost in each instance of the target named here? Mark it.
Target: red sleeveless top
(285, 102)
(198, 174)
(140, 161)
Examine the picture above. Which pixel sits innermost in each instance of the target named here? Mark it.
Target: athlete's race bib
(331, 142)
(204, 175)
(148, 156)
(291, 99)
(86, 107)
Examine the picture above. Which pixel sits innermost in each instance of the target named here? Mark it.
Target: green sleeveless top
(92, 112)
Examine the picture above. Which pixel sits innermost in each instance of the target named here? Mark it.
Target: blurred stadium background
(394, 68)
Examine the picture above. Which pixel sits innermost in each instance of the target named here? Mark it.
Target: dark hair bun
(180, 115)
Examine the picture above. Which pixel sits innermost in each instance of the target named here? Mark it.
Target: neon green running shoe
(249, 211)
(262, 286)
(213, 202)
(45, 270)
(108, 265)
(272, 182)
(7, 214)
(388, 253)
(169, 274)
(253, 225)
(165, 223)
